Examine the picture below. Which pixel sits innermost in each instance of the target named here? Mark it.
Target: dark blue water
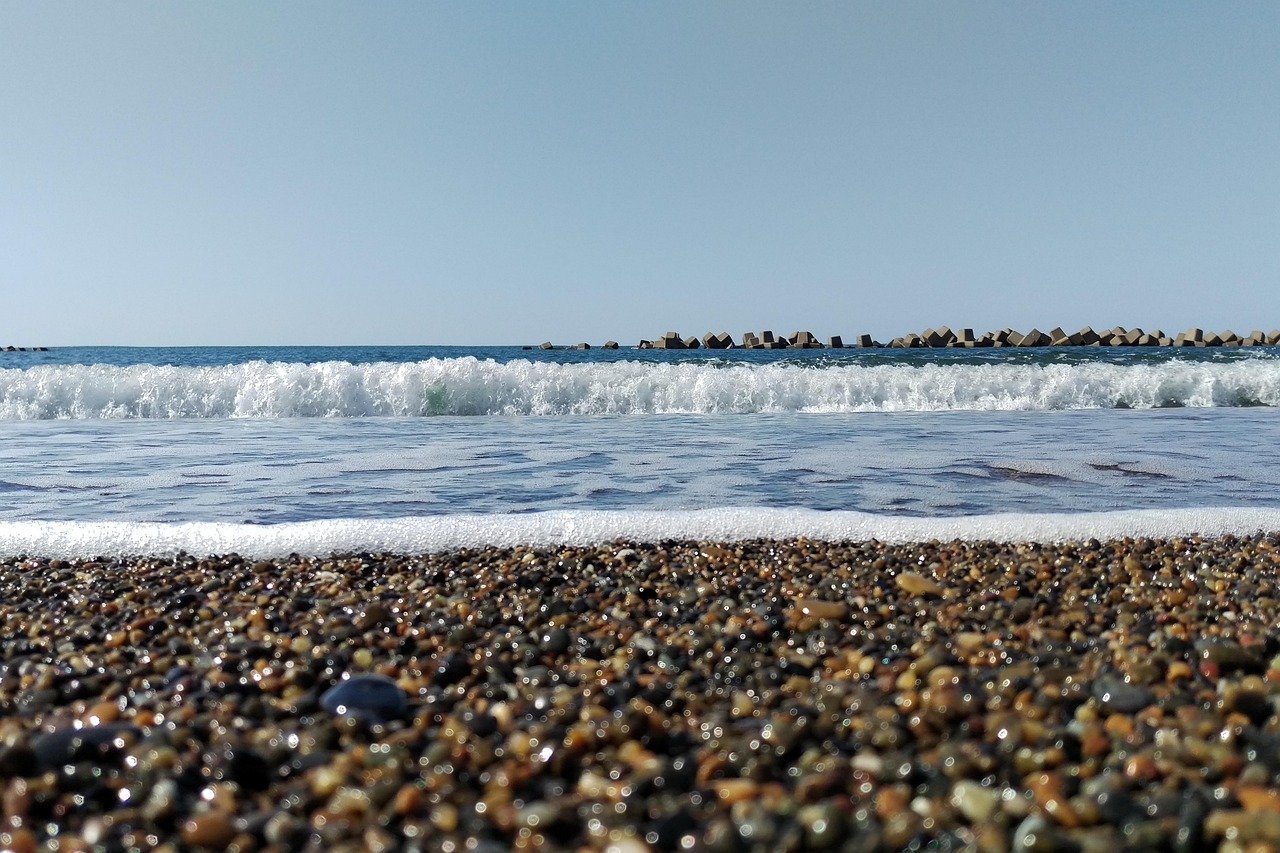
(214, 356)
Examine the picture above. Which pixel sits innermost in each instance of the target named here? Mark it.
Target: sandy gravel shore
(754, 696)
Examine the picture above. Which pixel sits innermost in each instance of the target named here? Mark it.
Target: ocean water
(310, 450)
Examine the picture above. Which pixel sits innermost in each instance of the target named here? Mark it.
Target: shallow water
(250, 441)
(958, 463)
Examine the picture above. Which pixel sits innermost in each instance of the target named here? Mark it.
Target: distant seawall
(945, 338)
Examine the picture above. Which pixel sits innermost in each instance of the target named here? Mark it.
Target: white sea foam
(428, 534)
(470, 386)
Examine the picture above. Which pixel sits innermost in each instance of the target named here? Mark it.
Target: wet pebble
(368, 698)
(916, 584)
(756, 695)
(1120, 696)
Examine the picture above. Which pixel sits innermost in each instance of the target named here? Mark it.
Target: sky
(508, 173)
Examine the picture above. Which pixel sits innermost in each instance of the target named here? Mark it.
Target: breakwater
(946, 338)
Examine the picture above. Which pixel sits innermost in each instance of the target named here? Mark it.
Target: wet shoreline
(681, 695)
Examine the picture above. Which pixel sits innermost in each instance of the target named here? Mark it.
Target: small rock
(974, 800)
(820, 609)
(370, 698)
(1232, 657)
(93, 744)
(915, 584)
(209, 831)
(556, 641)
(1120, 696)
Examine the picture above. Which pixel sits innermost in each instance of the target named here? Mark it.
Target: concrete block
(610, 345)
(866, 342)
(721, 341)
(835, 342)
(546, 345)
(1033, 338)
(670, 341)
(1085, 337)
(691, 342)
(939, 337)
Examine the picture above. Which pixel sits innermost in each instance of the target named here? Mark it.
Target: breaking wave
(475, 387)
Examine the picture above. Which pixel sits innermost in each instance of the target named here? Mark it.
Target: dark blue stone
(368, 698)
(98, 745)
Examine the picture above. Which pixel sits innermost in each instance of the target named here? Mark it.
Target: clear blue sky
(476, 173)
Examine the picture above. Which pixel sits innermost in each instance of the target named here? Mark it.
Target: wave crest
(473, 387)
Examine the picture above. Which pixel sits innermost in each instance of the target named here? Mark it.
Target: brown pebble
(730, 791)
(20, 840)
(444, 817)
(920, 585)
(407, 800)
(1047, 789)
(210, 831)
(820, 609)
(1256, 798)
(892, 799)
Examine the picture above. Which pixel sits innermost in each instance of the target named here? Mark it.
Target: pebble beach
(759, 695)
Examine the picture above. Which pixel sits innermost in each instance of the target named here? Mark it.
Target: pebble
(976, 801)
(754, 695)
(209, 831)
(820, 609)
(1119, 696)
(369, 698)
(917, 584)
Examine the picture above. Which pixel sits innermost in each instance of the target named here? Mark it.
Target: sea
(269, 451)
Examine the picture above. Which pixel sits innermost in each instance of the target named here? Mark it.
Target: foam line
(427, 534)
